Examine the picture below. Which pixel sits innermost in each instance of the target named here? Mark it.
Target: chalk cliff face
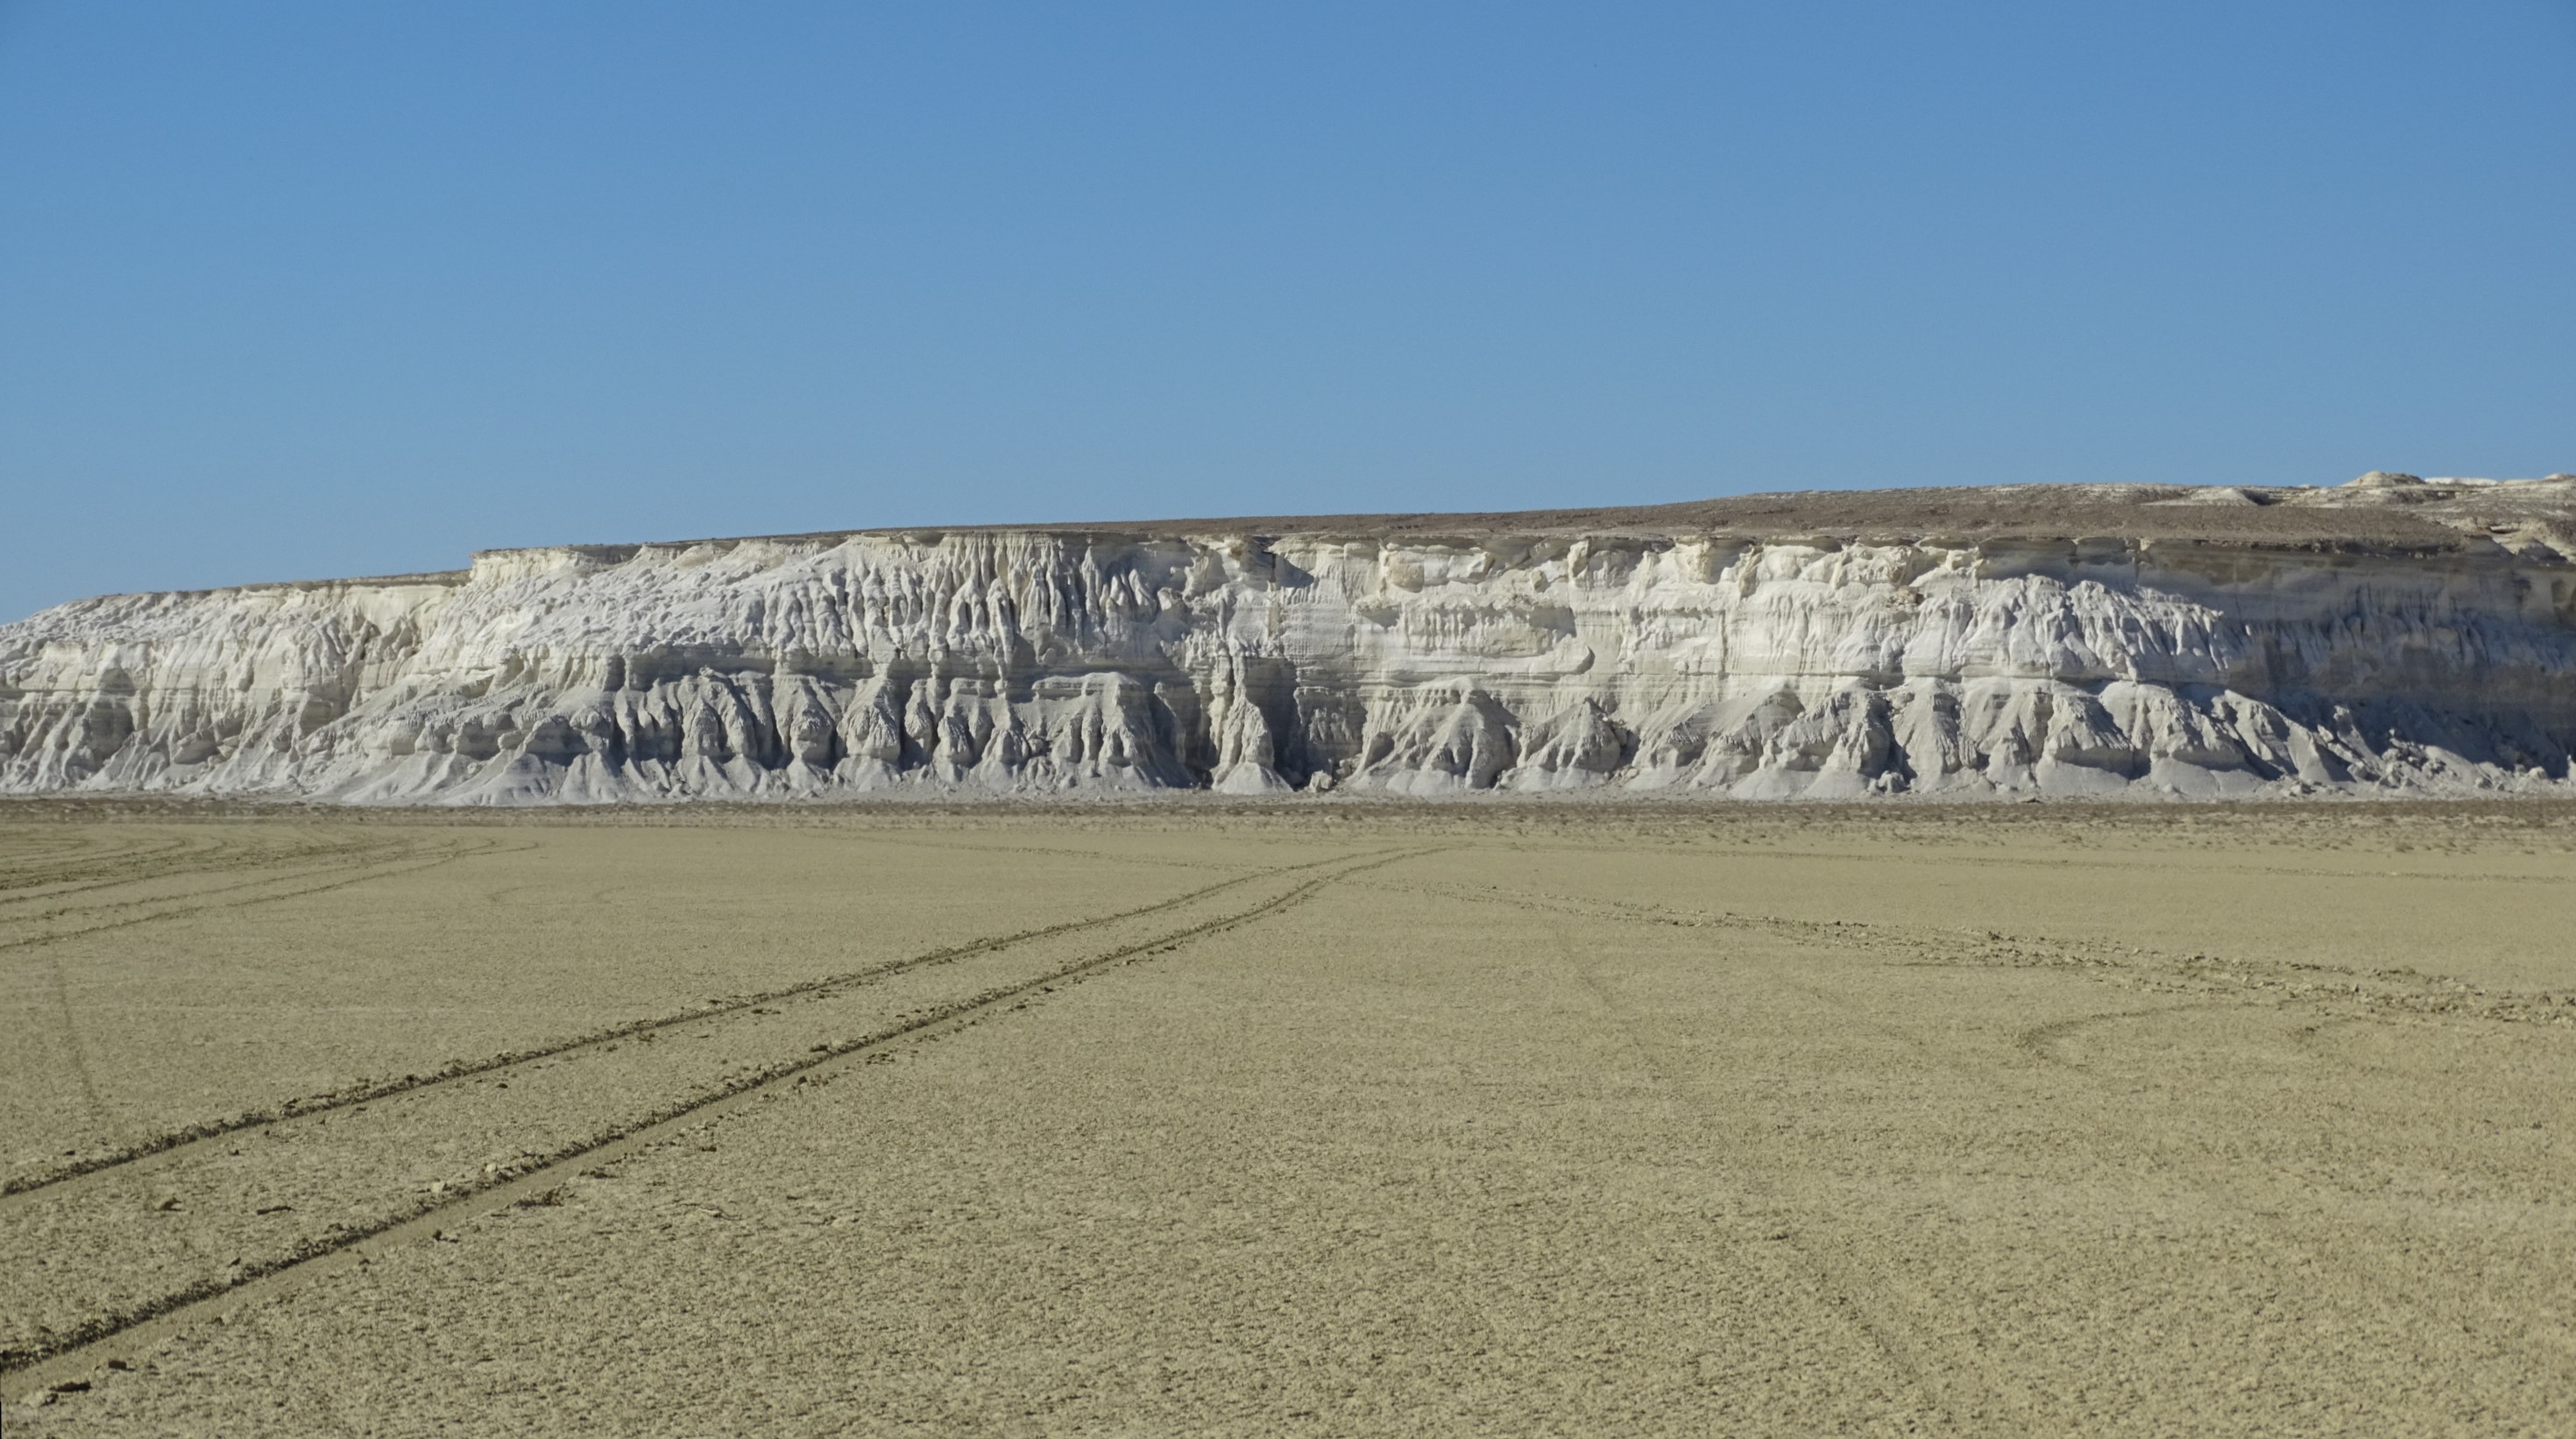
(1634, 651)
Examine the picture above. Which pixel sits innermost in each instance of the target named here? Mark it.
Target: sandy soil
(1315, 1118)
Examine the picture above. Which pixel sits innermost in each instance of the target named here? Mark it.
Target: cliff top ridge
(2380, 510)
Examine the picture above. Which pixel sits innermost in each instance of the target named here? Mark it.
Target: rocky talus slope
(2395, 635)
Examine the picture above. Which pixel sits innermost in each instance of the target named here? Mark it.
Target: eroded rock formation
(2395, 636)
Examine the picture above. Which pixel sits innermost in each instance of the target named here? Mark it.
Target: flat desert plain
(1318, 1117)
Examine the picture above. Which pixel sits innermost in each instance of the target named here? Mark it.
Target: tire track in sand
(176, 1140)
(1967, 1386)
(66, 1356)
(373, 865)
(91, 872)
(73, 871)
(2399, 991)
(2319, 1253)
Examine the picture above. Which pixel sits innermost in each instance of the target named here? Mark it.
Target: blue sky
(293, 290)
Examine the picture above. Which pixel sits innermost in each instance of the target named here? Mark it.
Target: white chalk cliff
(2398, 636)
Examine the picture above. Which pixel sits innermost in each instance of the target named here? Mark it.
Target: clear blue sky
(307, 289)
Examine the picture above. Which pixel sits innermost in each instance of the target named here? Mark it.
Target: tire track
(2110, 863)
(109, 869)
(185, 856)
(1063, 852)
(205, 901)
(60, 1358)
(67, 1026)
(1959, 1381)
(2155, 971)
(56, 868)
(178, 1140)
(372, 867)
(330, 856)
(2039, 1041)
(2320, 1253)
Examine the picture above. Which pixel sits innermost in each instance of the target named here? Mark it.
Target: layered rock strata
(1955, 643)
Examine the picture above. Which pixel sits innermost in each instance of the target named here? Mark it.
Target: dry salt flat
(1307, 1116)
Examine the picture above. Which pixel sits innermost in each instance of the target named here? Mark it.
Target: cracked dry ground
(1309, 1118)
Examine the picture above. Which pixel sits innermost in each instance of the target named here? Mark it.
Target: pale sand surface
(1316, 1118)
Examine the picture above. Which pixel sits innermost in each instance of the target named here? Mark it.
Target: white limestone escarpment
(1407, 659)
